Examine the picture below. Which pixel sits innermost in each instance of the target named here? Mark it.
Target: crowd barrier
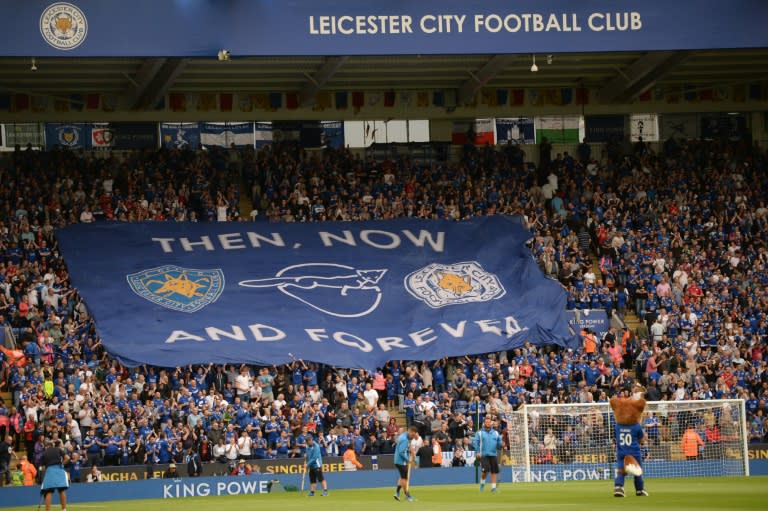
(260, 485)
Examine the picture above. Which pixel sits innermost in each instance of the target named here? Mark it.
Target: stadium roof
(619, 77)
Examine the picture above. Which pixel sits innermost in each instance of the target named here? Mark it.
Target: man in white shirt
(657, 330)
(371, 396)
(243, 384)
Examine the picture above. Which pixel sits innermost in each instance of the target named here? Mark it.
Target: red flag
(518, 97)
(92, 101)
(20, 102)
(358, 100)
(582, 96)
(389, 99)
(225, 102)
(646, 96)
(291, 101)
(177, 102)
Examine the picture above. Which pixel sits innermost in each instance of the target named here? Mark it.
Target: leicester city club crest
(176, 288)
(68, 136)
(63, 26)
(439, 285)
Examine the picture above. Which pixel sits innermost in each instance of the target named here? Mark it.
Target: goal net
(576, 441)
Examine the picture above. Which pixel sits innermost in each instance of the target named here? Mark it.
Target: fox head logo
(456, 284)
(439, 285)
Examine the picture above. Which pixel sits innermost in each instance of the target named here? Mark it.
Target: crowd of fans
(679, 237)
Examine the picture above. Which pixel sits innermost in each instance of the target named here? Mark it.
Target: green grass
(667, 494)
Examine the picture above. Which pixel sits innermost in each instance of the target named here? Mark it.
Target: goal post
(564, 442)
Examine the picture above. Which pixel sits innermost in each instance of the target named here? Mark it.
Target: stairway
(399, 416)
(630, 318)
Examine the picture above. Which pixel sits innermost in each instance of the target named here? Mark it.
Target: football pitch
(667, 494)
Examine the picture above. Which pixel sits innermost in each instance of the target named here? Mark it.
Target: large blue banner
(349, 295)
(200, 28)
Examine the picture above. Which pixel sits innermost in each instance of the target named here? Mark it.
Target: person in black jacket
(194, 465)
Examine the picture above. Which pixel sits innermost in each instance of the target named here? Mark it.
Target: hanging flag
(374, 98)
(389, 99)
(720, 93)
(559, 129)
(689, 93)
(405, 98)
(756, 91)
(225, 102)
(206, 102)
(478, 132)
(673, 94)
(450, 99)
(92, 101)
(76, 102)
(333, 134)
(342, 99)
(5, 101)
(244, 103)
(566, 96)
(322, 101)
(646, 95)
(261, 101)
(178, 102)
(706, 95)
(69, 135)
(502, 95)
(518, 97)
(438, 98)
(358, 100)
(582, 96)
(518, 130)
(604, 128)
(645, 127)
(488, 97)
(422, 99)
(291, 101)
(180, 135)
(20, 102)
(109, 102)
(262, 134)
(224, 134)
(553, 97)
(61, 105)
(275, 100)
(739, 93)
(723, 126)
(39, 103)
(679, 126)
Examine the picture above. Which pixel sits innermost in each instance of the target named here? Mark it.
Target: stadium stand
(673, 242)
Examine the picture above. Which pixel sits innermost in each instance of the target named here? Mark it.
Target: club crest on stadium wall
(176, 288)
(63, 26)
(68, 136)
(439, 285)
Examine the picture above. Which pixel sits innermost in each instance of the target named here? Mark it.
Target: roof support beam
(640, 75)
(479, 79)
(315, 83)
(144, 75)
(160, 83)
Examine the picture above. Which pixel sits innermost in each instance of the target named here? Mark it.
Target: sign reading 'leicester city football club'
(351, 295)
